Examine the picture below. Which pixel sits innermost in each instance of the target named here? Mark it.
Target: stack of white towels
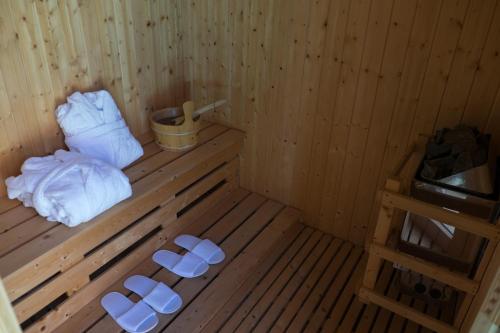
(74, 186)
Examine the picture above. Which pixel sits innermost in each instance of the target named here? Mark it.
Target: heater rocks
(459, 157)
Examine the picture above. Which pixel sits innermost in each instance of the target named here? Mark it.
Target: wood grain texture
(278, 276)
(330, 92)
(52, 48)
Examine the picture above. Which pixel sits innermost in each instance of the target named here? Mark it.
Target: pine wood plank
(256, 294)
(493, 119)
(254, 316)
(398, 322)
(316, 296)
(351, 316)
(291, 80)
(335, 57)
(380, 235)
(277, 69)
(412, 75)
(462, 221)
(6, 204)
(208, 309)
(23, 232)
(402, 19)
(292, 241)
(366, 91)
(457, 280)
(197, 314)
(334, 290)
(245, 227)
(433, 311)
(292, 286)
(13, 217)
(337, 318)
(485, 86)
(22, 139)
(166, 215)
(352, 55)
(191, 223)
(384, 316)
(318, 27)
(141, 170)
(62, 47)
(79, 299)
(449, 29)
(371, 312)
(267, 20)
(470, 46)
(147, 192)
(306, 288)
(407, 311)
(323, 117)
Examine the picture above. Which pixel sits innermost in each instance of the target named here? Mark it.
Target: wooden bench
(51, 271)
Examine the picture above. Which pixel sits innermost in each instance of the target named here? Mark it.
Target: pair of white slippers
(140, 317)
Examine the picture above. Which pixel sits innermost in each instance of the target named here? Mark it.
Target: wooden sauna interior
(325, 98)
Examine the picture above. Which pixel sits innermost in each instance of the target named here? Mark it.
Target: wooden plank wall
(52, 48)
(331, 92)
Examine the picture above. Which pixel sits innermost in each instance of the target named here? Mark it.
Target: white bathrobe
(69, 187)
(93, 126)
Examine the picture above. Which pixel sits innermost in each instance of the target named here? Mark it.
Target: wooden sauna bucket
(175, 129)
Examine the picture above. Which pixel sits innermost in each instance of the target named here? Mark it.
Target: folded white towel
(69, 187)
(93, 126)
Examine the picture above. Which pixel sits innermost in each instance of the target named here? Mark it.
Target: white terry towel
(69, 187)
(93, 126)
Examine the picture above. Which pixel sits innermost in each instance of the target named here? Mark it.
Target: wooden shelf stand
(395, 202)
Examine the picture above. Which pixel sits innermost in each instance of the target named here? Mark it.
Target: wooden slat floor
(278, 275)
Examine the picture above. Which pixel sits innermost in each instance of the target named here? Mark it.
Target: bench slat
(34, 262)
(245, 229)
(68, 281)
(31, 228)
(23, 233)
(15, 216)
(162, 158)
(12, 212)
(6, 204)
(194, 222)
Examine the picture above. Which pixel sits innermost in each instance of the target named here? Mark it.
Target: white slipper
(156, 294)
(132, 317)
(205, 249)
(188, 265)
